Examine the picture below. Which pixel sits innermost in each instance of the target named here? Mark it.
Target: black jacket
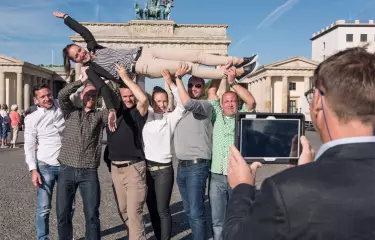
(332, 198)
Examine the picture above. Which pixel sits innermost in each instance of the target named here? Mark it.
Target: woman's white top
(158, 131)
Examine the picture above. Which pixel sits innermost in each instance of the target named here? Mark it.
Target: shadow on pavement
(180, 223)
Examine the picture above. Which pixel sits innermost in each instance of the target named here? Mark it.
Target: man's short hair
(38, 87)
(197, 78)
(230, 92)
(347, 80)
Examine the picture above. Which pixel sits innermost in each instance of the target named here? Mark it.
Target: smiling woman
(147, 61)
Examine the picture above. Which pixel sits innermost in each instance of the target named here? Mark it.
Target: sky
(274, 29)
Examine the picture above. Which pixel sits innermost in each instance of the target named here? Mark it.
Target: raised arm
(64, 97)
(177, 113)
(138, 92)
(215, 83)
(78, 28)
(109, 98)
(242, 92)
(212, 89)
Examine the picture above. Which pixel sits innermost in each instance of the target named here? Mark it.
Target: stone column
(2, 88)
(19, 91)
(7, 90)
(77, 70)
(26, 92)
(285, 94)
(307, 83)
(140, 80)
(267, 95)
(51, 86)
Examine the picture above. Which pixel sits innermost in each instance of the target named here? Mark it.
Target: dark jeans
(191, 182)
(160, 184)
(87, 181)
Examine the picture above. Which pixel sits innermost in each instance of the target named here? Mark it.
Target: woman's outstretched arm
(78, 28)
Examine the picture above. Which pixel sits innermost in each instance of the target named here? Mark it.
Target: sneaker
(247, 61)
(249, 69)
(4, 146)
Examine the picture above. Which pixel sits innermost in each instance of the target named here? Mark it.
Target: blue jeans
(4, 131)
(191, 182)
(49, 175)
(87, 181)
(219, 194)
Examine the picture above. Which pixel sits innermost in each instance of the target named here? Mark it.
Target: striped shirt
(108, 57)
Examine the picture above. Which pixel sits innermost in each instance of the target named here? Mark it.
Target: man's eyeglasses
(190, 85)
(310, 94)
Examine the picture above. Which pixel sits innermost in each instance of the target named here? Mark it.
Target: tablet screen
(270, 138)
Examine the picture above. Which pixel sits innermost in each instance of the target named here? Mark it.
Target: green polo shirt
(222, 138)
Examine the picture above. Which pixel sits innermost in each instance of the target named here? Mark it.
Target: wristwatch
(234, 83)
(179, 77)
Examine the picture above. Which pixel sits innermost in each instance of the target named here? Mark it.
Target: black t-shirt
(126, 144)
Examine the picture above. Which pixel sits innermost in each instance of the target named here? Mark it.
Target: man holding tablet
(223, 119)
(331, 196)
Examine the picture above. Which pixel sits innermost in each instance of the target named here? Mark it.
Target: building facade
(279, 87)
(341, 35)
(17, 79)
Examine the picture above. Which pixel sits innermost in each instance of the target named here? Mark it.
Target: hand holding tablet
(269, 137)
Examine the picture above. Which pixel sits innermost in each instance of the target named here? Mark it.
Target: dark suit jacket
(332, 198)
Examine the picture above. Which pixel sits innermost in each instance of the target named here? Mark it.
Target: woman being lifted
(146, 61)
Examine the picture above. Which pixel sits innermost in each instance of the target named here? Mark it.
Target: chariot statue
(153, 10)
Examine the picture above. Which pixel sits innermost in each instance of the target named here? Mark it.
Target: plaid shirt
(82, 136)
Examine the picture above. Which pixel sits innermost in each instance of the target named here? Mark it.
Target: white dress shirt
(159, 129)
(46, 127)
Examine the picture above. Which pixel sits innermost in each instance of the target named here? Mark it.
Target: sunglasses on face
(190, 85)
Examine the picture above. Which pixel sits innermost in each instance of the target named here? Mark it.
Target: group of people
(330, 196)
(141, 134)
(12, 121)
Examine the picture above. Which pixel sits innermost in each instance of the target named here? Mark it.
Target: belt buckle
(154, 168)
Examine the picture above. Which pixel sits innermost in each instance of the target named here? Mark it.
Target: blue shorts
(4, 131)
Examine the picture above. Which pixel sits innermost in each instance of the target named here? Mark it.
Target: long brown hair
(66, 58)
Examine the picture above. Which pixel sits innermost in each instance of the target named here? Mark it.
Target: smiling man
(223, 119)
(80, 157)
(45, 124)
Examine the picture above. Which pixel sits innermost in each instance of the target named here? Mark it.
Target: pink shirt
(14, 118)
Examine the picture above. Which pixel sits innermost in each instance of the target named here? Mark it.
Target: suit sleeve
(83, 31)
(256, 216)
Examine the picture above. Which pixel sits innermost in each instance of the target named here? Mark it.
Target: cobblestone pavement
(18, 202)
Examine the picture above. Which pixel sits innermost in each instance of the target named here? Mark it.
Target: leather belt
(188, 163)
(126, 164)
